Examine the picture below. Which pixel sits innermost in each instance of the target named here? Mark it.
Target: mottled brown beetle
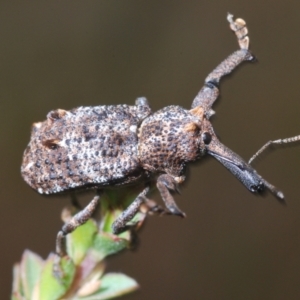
(105, 146)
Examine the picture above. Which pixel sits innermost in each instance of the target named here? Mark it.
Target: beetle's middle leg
(120, 224)
(210, 91)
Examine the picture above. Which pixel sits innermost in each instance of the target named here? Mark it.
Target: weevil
(119, 145)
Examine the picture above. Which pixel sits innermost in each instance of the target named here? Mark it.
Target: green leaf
(30, 270)
(107, 244)
(17, 286)
(52, 288)
(113, 285)
(17, 290)
(108, 218)
(80, 240)
(17, 296)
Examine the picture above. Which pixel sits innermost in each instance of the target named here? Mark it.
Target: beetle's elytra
(105, 146)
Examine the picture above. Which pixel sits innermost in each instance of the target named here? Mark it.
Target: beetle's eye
(206, 137)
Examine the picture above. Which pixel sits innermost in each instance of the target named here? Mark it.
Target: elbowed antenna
(276, 142)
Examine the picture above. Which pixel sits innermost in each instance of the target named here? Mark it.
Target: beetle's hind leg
(79, 219)
(210, 92)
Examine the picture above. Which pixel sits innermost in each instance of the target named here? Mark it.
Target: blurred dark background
(63, 54)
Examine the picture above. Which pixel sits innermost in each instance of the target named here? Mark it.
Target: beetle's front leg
(165, 184)
(153, 208)
(120, 224)
(209, 93)
(79, 219)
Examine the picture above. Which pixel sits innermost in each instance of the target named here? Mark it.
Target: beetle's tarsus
(57, 269)
(238, 26)
(153, 208)
(205, 97)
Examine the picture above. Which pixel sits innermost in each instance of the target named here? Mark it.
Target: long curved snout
(241, 169)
